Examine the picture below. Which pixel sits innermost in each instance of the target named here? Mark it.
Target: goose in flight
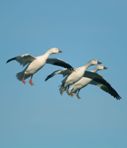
(72, 75)
(89, 77)
(83, 82)
(34, 64)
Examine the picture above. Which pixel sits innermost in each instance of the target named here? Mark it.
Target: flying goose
(83, 82)
(34, 64)
(97, 80)
(72, 75)
(91, 77)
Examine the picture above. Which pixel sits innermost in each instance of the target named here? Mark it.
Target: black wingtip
(109, 89)
(46, 79)
(10, 60)
(115, 94)
(7, 61)
(118, 97)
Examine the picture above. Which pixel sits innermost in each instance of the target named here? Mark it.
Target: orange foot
(31, 82)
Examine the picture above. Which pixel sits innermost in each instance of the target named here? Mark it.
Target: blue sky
(39, 116)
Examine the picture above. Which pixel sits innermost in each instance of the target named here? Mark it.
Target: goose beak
(105, 67)
(99, 62)
(60, 51)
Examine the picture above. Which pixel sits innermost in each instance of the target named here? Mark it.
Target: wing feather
(23, 59)
(99, 81)
(63, 72)
(92, 75)
(105, 86)
(59, 62)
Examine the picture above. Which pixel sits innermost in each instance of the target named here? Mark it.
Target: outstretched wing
(92, 75)
(63, 72)
(59, 62)
(105, 86)
(99, 81)
(23, 59)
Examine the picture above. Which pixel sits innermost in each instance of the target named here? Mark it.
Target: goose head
(95, 62)
(101, 67)
(54, 50)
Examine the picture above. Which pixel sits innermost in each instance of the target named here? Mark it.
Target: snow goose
(94, 79)
(76, 75)
(34, 64)
(72, 75)
(84, 81)
(97, 80)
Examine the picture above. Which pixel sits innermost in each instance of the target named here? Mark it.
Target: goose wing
(92, 75)
(105, 86)
(99, 81)
(23, 59)
(59, 62)
(63, 72)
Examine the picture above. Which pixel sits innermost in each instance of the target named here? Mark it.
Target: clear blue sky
(38, 116)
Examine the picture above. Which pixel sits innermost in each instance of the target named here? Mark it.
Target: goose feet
(31, 82)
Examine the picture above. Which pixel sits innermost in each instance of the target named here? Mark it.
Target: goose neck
(47, 54)
(87, 65)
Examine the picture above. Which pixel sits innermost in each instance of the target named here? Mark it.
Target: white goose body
(76, 75)
(34, 64)
(91, 77)
(83, 82)
(37, 64)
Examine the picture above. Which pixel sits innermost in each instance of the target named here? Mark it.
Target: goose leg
(67, 90)
(77, 94)
(72, 92)
(30, 81)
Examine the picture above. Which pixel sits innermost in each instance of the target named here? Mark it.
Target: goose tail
(20, 76)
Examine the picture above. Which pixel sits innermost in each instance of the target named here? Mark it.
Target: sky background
(39, 116)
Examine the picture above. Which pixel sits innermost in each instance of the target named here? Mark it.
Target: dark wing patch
(92, 75)
(59, 62)
(105, 86)
(63, 72)
(52, 74)
(23, 59)
(12, 59)
(102, 83)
